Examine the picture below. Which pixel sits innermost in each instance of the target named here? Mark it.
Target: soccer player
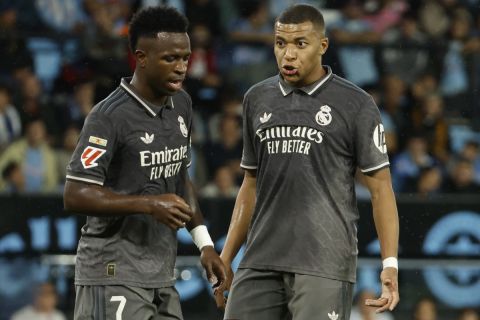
(128, 174)
(306, 131)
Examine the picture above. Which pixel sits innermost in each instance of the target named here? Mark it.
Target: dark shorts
(126, 303)
(271, 295)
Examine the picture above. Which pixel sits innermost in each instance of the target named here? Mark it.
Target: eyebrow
(294, 39)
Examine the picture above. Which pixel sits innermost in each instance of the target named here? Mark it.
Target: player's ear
(323, 45)
(141, 58)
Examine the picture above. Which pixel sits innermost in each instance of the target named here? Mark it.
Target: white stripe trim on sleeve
(376, 167)
(248, 167)
(84, 180)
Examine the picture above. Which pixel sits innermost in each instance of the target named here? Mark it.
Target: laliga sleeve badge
(90, 156)
(183, 127)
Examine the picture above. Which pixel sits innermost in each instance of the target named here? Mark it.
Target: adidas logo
(333, 315)
(147, 139)
(265, 117)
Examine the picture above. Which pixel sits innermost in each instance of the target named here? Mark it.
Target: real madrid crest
(324, 117)
(183, 127)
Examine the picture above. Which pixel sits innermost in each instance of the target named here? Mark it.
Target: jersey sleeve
(94, 151)
(249, 158)
(369, 137)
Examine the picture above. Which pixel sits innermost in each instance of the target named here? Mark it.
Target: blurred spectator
(10, 123)
(33, 103)
(105, 45)
(406, 54)
(429, 120)
(395, 104)
(423, 86)
(204, 12)
(425, 309)
(231, 107)
(252, 37)
(407, 165)
(433, 18)
(228, 148)
(203, 81)
(223, 184)
(43, 307)
(351, 32)
(471, 152)
(62, 15)
(362, 312)
(454, 82)
(36, 158)
(469, 314)
(178, 4)
(430, 182)
(118, 12)
(461, 178)
(14, 179)
(15, 54)
(74, 111)
(387, 15)
(70, 139)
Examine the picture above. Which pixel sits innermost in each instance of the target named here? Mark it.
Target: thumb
(220, 272)
(208, 270)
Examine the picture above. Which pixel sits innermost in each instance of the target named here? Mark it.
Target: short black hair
(300, 13)
(148, 22)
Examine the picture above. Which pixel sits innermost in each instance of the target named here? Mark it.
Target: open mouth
(289, 70)
(175, 84)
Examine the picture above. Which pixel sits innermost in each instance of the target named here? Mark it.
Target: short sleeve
(369, 137)
(249, 158)
(95, 149)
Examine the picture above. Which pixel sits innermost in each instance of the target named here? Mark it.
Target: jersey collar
(151, 108)
(310, 89)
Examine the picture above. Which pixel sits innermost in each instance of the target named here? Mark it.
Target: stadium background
(419, 59)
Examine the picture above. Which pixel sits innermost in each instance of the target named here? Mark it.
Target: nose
(290, 53)
(181, 67)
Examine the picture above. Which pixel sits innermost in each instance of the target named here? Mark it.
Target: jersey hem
(298, 270)
(103, 282)
(247, 166)
(382, 165)
(71, 177)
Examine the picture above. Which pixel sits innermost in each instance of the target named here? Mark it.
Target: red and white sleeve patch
(90, 156)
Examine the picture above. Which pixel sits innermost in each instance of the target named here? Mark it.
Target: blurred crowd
(418, 59)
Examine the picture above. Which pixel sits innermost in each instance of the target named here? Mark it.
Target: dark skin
(159, 73)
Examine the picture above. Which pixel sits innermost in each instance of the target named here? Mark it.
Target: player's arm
(209, 258)
(96, 200)
(237, 232)
(386, 222)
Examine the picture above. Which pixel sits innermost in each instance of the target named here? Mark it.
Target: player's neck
(313, 77)
(146, 92)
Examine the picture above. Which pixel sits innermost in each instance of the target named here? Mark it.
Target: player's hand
(213, 266)
(390, 296)
(170, 210)
(219, 292)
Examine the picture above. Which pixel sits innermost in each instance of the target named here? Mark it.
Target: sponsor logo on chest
(293, 139)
